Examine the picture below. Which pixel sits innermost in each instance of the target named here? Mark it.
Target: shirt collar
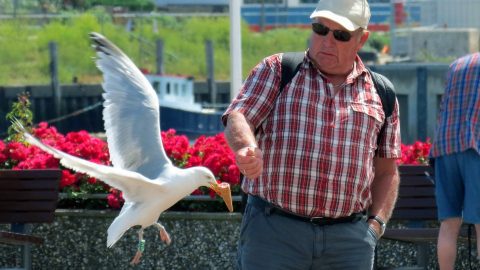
(358, 69)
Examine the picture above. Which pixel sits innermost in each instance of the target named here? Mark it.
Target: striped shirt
(458, 126)
(318, 147)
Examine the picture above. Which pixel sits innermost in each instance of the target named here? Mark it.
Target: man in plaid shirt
(456, 149)
(321, 183)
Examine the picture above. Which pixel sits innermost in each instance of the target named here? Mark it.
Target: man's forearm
(384, 196)
(384, 188)
(238, 132)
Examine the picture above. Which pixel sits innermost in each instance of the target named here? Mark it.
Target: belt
(320, 221)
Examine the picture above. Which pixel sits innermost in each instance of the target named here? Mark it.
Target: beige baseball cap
(351, 14)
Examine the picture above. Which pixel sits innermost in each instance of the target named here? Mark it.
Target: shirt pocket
(366, 118)
(374, 111)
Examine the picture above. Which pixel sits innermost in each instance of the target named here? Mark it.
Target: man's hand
(250, 161)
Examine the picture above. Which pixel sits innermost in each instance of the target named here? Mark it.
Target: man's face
(332, 56)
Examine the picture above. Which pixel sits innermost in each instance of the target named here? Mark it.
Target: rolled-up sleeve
(258, 93)
(389, 144)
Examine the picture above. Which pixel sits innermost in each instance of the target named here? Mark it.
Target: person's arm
(239, 134)
(384, 190)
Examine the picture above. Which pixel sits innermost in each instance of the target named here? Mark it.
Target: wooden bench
(27, 196)
(416, 205)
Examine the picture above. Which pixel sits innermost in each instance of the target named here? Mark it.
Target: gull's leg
(163, 233)
(140, 248)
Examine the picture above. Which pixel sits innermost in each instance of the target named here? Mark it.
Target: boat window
(156, 86)
(168, 88)
(184, 90)
(175, 89)
(263, 1)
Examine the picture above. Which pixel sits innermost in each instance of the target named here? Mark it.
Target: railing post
(159, 57)
(422, 104)
(212, 87)
(57, 96)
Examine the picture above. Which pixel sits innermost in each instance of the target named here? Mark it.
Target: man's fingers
(249, 161)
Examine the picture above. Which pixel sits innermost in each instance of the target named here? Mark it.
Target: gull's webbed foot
(163, 234)
(140, 248)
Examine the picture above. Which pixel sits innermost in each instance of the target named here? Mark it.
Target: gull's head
(222, 189)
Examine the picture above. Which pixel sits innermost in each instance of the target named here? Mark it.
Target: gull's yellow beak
(223, 190)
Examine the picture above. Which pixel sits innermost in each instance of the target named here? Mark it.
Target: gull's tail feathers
(119, 226)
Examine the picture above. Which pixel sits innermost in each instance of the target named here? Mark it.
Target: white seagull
(141, 169)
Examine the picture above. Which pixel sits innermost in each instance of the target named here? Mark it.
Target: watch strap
(378, 219)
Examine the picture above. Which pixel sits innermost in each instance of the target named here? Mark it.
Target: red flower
(68, 179)
(115, 199)
(176, 146)
(3, 155)
(416, 153)
(17, 151)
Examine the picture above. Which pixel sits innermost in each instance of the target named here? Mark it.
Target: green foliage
(54, 6)
(20, 112)
(377, 41)
(25, 45)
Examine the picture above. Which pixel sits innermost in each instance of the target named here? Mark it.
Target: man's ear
(363, 38)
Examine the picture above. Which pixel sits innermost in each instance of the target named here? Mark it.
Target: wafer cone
(223, 190)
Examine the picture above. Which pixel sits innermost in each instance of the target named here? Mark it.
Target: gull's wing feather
(131, 112)
(131, 183)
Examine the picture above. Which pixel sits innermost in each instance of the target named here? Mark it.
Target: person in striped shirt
(321, 182)
(455, 150)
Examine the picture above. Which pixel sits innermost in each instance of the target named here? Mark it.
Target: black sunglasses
(340, 35)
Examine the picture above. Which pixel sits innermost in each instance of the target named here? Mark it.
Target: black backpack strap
(290, 65)
(386, 91)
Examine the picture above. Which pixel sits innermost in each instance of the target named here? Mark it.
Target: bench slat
(28, 184)
(414, 214)
(415, 180)
(19, 239)
(28, 206)
(415, 169)
(26, 217)
(28, 195)
(417, 203)
(418, 235)
(421, 191)
(30, 174)
(411, 234)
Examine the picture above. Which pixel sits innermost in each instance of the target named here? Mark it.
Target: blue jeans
(273, 241)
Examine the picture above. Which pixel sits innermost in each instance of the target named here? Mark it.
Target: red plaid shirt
(318, 148)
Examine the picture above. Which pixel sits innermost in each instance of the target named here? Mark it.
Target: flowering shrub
(212, 152)
(416, 153)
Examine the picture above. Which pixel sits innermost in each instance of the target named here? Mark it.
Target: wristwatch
(380, 221)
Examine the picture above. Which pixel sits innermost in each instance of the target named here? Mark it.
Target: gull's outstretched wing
(130, 183)
(131, 112)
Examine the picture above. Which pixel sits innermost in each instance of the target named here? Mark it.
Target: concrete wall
(420, 44)
(419, 89)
